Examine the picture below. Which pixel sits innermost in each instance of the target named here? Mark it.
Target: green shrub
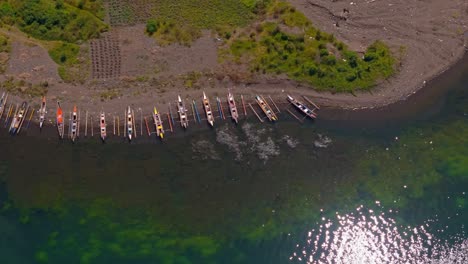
(54, 20)
(276, 51)
(152, 26)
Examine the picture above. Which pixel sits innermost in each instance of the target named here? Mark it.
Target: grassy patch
(168, 32)
(191, 79)
(110, 94)
(287, 43)
(182, 21)
(73, 65)
(24, 88)
(95, 7)
(5, 48)
(55, 20)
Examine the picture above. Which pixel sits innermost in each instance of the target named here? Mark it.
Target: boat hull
(182, 113)
(233, 108)
(103, 127)
(301, 107)
(158, 124)
(208, 112)
(130, 124)
(267, 110)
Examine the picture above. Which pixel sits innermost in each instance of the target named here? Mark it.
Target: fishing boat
(232, 107)
(42, 112)
(208, 112)
(60, 126)
(102, 125)
(302, 107)
(158, 123)
(266, 108)
(3, 102)
(18, 119)
(74, 124)
(129, 124)
(182, 113)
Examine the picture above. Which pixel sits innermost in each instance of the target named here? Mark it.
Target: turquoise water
(386, 186)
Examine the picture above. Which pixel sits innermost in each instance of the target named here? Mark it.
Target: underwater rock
(227, 137)
(322, 141)
(264, 148)
(267, 149)
(204, 149)
(291, 142)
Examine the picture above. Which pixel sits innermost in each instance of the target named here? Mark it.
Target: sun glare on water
(364, 236)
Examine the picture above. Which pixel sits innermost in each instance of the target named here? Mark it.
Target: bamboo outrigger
(3, 102)
(232, 107)
(74, 124)
(302, 107)
(59, 117)
(266, 108)
(42, 112)
(158, 124)
(182, 113)
(129, 124)
(7, 118)
(103, 126)
(196, 111)
(220, 108)
(209, 113)
(29, 120)
(18, 119)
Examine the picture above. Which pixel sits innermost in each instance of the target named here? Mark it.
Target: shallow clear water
(373, 187)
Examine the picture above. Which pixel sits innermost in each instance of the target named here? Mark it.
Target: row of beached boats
(19, 115)
(182, 110)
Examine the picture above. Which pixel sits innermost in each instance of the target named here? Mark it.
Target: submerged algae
(100, 233)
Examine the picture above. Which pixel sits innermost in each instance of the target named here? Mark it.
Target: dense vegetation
(182, 21)
(4, 50)
(69, 21)
(288, 43)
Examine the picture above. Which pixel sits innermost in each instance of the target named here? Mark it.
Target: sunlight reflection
(367, 237)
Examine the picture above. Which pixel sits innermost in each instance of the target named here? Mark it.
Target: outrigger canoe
(158, 123)
(102, 125)
(208, 112)
(266, 108)
(129, 124)
(74, 125)
(182, 113)
(3, 102)
(233, 107)
(18, 119)
(59, 117)
(302, 107)
(42, 112)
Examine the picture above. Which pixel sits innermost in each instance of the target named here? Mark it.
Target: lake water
(385, 186)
